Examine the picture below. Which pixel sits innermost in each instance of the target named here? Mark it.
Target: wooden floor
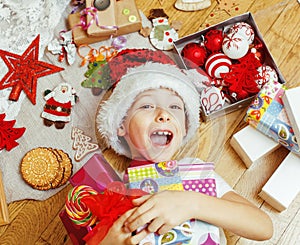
(34, 222)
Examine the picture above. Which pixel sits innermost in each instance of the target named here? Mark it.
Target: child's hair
(148, 76)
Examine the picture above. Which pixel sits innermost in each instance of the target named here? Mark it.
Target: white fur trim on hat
(137, 80)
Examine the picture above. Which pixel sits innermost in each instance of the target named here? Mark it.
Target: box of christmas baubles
(237, 60)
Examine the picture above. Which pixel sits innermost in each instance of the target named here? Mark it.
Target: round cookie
(67, 166)
(39, 168)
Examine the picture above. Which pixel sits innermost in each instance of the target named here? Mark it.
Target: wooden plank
(4, 216)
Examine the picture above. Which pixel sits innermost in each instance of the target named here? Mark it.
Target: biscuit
(39, 168)
(67, 166)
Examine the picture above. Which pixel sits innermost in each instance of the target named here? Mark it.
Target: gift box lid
(96, 172)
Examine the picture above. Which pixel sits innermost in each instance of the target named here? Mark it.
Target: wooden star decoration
(24, 70)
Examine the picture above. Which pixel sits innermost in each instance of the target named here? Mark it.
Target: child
(153, 110)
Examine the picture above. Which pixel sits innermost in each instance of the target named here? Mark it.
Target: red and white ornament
(213, 40)
(266, 74)
(195, 53)
(243, 29)
(216, 64)
(235, 46)
(212, 99)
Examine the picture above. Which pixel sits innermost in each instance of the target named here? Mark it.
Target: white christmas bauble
(243, 29)
(266, 74)
(235, 46)
(212, 99)
(216, 64)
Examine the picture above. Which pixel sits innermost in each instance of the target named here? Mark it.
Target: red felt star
(9, 134)
(24, 70)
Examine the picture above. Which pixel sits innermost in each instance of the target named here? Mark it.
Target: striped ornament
(216, 64)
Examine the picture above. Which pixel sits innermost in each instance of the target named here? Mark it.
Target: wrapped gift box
(96, 172)
(196, 37)
(4, 217)
(284, 185)
(268, 115)
(291, 101)
(251, 145)
(125, 25)
(155, 177)
(200, 177)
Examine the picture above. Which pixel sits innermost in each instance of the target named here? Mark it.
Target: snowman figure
(162, 34)
(59, 102)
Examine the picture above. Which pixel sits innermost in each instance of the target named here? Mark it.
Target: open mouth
(161, 137)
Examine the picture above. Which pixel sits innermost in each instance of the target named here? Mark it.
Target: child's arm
(166, 209)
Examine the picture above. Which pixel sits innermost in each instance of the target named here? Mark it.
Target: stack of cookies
(46, 168)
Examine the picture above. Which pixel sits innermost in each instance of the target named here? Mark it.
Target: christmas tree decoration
(213, 40)
(9, 134)
(243, 29)
(24, 70)
(82, 144)
(195, 53)
(59, 102)
(235, 46)
(217, 64)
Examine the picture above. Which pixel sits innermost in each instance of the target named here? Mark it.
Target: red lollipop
(213, 40)
(195, 53)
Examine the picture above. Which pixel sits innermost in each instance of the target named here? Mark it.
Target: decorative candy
(76, 208)
(162, 34)
(217, 64)
(9, 134)
(266, 74)
(213, 40)
(195, 53)
(212, 99)
(24, 70)
(244, 30)
(235, 46)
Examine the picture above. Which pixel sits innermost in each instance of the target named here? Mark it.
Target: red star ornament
(24, 70)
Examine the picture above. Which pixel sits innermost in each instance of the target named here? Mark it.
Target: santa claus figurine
(58, 105)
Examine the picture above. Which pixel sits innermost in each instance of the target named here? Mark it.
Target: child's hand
(117, 234)
(163, 211)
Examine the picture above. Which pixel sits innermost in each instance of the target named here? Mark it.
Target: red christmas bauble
(195, 53)
(213, 40)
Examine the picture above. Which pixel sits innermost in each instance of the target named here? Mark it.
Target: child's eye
(176, 107)
(148, 106)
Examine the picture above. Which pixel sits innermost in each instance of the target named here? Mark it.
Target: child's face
(155, 125)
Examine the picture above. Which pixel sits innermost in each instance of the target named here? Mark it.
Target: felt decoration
(9, 134)
(24, 70)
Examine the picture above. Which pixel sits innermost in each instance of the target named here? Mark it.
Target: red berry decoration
(195, 53)
(213, 40)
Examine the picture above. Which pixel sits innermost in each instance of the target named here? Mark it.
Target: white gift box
(291, 101)
(284, 184)
(251, 145)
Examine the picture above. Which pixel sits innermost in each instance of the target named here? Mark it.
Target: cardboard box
(196, 37)
(81, 36)
(4, 217)
(251, 145)
(96, 172)
(291, 101)
(284, 184)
